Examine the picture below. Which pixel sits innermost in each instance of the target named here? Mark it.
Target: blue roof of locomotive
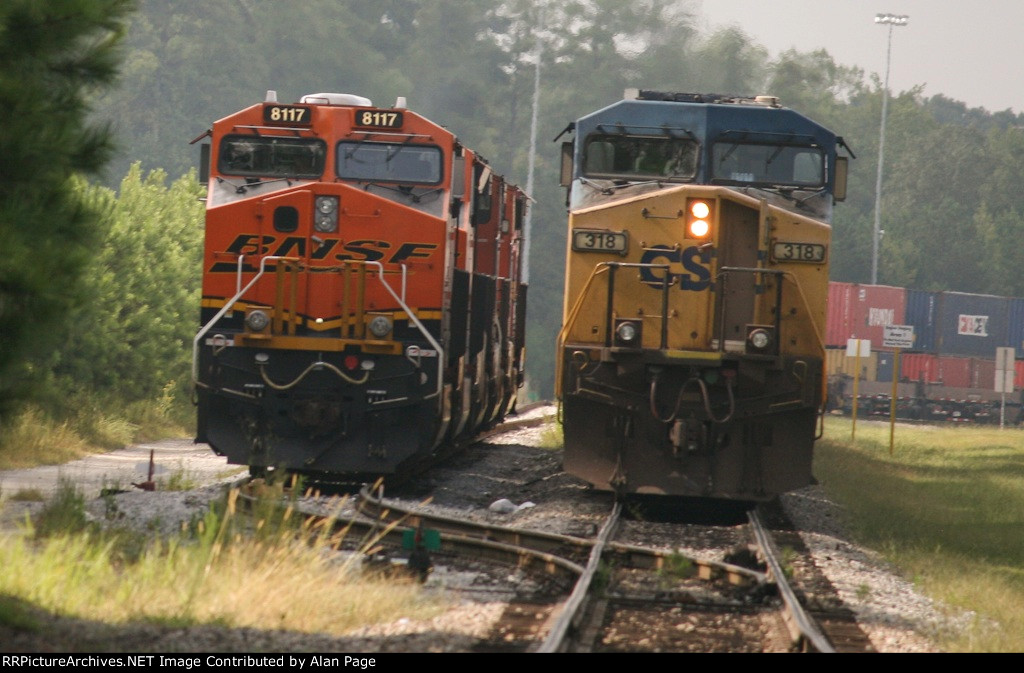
(709, 122)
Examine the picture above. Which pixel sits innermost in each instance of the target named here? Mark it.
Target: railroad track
(599, 593)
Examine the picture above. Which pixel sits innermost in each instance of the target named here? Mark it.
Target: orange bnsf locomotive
(362, 301)
(691, 353)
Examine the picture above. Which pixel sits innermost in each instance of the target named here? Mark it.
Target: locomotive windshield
(389, 162)
(268, 156)
(640, 157)
(767, 164)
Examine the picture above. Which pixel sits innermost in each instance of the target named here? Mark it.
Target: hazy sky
(971, 52)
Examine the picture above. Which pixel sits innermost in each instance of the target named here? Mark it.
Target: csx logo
(693, 259)
(253, 245)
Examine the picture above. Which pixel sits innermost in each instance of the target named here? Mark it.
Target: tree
(132, 340)
(53, 54)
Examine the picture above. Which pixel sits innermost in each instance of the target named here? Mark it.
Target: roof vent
(770, 101)
(347, 99)
(271, 96)
(400, 103)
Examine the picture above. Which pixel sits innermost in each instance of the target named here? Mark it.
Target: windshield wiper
(728, 153)
(253, 182)
(404, 190)
(618, 184)
(776, 153)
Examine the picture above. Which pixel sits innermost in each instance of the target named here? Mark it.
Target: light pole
(891, 20)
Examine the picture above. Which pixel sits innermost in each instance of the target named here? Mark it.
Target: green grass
(35, 436)
(552, 437)
(223, 571)
(947, 507)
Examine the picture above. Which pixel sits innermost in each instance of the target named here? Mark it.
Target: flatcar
(690, 358)
(362, 301)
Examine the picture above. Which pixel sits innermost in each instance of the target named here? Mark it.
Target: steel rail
(803, 629)
(377, 531)
(571, 609)
(631, 556)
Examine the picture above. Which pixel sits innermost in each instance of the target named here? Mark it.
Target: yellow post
(892, 403)
(856, 388)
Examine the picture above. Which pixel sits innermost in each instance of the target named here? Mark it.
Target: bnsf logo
(694, 261)
(252, 245)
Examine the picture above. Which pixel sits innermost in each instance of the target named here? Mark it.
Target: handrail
(610, 267)
(419, 325)
(228, 305)
(387, 286)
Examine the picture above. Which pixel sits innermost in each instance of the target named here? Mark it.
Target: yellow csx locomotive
(691, 353)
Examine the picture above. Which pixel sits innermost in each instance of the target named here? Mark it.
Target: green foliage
(62, 514)
(133, 336)
(53, 54)
(677, 566)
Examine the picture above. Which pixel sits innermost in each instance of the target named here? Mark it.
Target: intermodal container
(838, 362)
(837, 324)
(922, 315)
(954, 372)
(1015, 330)
(972, 324)
(983, 373)
(919, 367)
(862, 312)
(913, 367)
(886, 363)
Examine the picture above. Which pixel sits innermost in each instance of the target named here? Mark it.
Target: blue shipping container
(1015, 339)
(972, 324)
(922, 314)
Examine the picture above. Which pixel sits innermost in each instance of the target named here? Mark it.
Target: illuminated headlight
(326, 218)
(627, 333)
(380, 326)
(257, 320)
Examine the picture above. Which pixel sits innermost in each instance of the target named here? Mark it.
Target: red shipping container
(862, 311)
(1018, 381)
(920, 366)
(839, 318)
(954, 372)
(983, 374)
